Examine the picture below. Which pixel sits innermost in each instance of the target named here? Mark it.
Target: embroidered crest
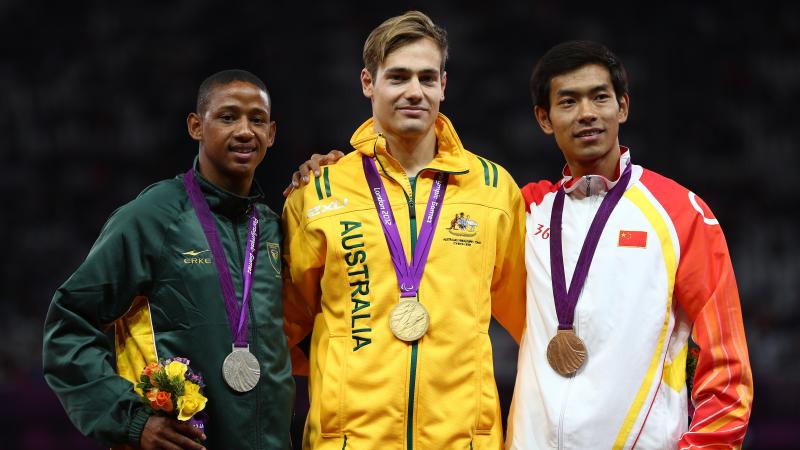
(274, 251)
(462, 225)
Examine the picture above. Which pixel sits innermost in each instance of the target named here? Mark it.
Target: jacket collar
(224, 202)
(450, 155)
(594, 184)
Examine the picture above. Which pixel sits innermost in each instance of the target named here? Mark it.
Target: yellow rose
(176, 369)
(191, 402)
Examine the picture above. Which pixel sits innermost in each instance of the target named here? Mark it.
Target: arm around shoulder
(303, 254)
(508, 280)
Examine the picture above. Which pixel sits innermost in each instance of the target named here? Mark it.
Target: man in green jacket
(170, 275)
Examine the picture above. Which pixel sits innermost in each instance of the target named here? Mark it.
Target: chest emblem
(463, 226)
(196, 256)
(636, 239)
(274, 252)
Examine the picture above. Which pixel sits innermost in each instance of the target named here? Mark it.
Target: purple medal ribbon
(408, 277)
(566, 300)
(235, 311)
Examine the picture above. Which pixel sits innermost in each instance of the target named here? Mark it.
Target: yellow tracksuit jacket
(368, 389)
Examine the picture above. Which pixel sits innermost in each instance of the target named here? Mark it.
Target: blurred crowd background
(94, 96)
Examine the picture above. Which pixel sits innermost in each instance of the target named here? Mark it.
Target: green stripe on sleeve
(319, 189)
(328, 183)
(494, 173)
(485, 171)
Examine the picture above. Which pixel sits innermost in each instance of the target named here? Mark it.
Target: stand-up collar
(589, 185)
(224, 202)
(450, 153)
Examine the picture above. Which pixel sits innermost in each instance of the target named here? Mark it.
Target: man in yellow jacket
(398, 256)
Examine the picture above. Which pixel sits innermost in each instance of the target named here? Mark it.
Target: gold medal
(566, 352)
(409, 320)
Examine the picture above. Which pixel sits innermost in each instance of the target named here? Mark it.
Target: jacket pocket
(487, 389)
(486, 442)
(332, 403)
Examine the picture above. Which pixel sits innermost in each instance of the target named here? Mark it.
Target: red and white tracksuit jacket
(661, 266)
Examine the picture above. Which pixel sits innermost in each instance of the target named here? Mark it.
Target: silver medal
(241, 370)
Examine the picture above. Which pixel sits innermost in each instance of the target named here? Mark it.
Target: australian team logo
(462, 225)
(274, 252)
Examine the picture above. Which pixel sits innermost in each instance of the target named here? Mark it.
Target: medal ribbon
(237, 314)
(566, 300)
(408, 277)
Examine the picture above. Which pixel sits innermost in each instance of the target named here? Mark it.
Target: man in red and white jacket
(660, 272)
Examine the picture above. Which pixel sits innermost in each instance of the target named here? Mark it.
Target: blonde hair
(398, 31)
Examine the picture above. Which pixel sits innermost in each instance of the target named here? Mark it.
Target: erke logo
(192, 257)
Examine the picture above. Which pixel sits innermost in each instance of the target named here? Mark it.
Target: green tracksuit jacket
(150, 281)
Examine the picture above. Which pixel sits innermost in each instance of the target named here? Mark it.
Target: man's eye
(602, 97)
(566, 102)
(226, 117)
(257, 120)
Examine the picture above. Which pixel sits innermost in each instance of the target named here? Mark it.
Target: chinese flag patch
(632, 239)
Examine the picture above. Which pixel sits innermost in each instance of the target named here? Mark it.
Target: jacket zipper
(592, 207)
(412, 216)
(251, 326)
(564, 402)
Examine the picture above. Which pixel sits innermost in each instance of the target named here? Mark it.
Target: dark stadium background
(94, 96)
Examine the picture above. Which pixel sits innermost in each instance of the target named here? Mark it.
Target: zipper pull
(412, 211)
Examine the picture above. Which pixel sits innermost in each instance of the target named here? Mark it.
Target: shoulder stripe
(327, 182)
(485, 170)
(693, 201)
(319, 189)
(534, 193)
(487, 179)
(658, 223)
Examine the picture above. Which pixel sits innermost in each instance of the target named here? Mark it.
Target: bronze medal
(566, 352)
(409, 320)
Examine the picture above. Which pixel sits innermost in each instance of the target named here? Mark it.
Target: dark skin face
(234, 132)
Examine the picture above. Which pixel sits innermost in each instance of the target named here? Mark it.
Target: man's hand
(312, 165)
(163, 433)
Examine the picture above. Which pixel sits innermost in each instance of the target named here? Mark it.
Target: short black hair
(573, 55)
(222, 78)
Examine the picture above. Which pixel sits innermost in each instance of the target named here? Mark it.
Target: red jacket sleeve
(705, 287)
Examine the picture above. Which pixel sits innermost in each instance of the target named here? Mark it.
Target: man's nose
(586, 111)
(244, 130)
(414, 91)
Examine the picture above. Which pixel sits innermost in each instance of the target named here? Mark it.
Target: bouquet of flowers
(170, 388)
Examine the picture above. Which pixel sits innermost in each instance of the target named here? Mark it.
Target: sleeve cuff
(137, 426)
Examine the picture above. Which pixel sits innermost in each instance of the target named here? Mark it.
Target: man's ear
(624, 107)
(543, 117)
(195, 126)
(271, 136)
(444, 84)
(366, 83)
